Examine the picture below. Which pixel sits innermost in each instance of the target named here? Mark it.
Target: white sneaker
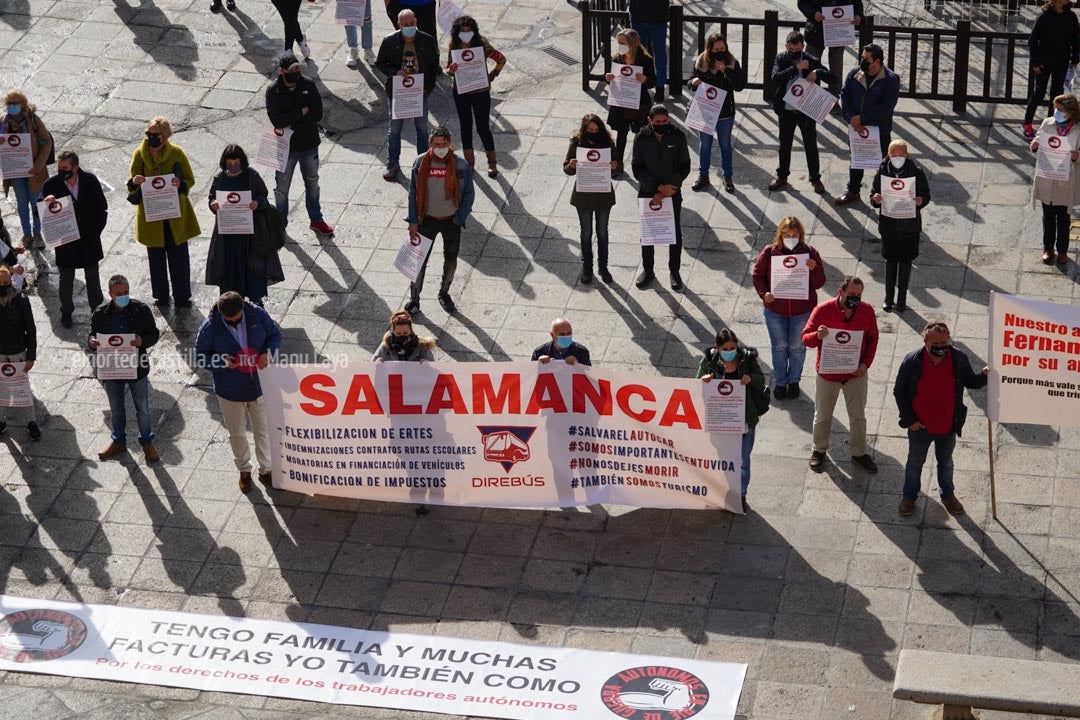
(354, 55)
(305, 49)
(369, 55)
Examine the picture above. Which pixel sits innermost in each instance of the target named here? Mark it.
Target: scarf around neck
(450, 186)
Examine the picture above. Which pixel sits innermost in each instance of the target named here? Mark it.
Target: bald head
(406, 18)
(560, 326)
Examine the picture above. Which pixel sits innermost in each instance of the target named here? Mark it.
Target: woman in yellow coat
(165, 240)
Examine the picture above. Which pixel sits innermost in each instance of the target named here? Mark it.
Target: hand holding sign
(58, 223)
(408, 97)
(624, 89)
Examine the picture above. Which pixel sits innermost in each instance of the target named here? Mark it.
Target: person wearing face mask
(231, 262)
(629, 51)
(844, 313)
(591, 206)
(868, 100)
(409, 51)
(899, 236)
(789, 66)
(9, 258)
(1053, 47)
(814, 11)
(661, 164)
(728, 360)
(400, 343)
(786, 318)
(21, 117)
(440, 199)
(1057, 196)
(123, 315)
(465, 33)
(562, 346)
(293, 101)
(18, 340)
(165, 240)
(237, 340)
(717, 67)
(91, 215)
(929, 393)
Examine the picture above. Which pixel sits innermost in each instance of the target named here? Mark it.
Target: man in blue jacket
(236, 341)
(868, 100)
(929, 392)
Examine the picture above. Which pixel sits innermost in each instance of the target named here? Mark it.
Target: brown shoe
(150, 453)
(493, 166)
(1062, 258)
(113, 450)
(777, 183)
(245, 482)
(266, 479)
(952, 505)
(470, 157)
(817, 461)
(391, 173)
(848, 197)
(907, 507)
(819, 187)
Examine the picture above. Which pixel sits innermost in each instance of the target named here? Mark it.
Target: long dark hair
(455, 31)
(594, 118)
(704, 60)
(726, 335)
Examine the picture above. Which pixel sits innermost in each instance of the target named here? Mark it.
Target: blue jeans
(919, 442)
(654, 38)
(393, 133)
(724, 127)
(747, 448)
(309, 170)
(365, 34)
(788, 351)
(140, 396)
(24, 203)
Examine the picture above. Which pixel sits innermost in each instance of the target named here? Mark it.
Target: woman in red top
(785, 318)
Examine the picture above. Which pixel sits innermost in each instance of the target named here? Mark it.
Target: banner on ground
(515, 434)
(1034, 361)
(358, 667)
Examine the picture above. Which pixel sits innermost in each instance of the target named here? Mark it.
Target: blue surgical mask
(14, 109)
(728, 355)
(564, 341)
(122, 301)
(409, 31)
(1059, 117)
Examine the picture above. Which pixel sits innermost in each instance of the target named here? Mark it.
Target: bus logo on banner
(14, 140)
(838, 12)
(626, 70)
(843, 337)
(506, 445)
(797, 90)
(654, 692)
(897, 184)
(38, 635)
(232, 198)
(864, 133)
(725, 388)
(1054, 142)
(7, 370)
(790, 261)
(711, 93)
(467, 55)
(656, 205)
(408, 81)
(158, 182)
(55, 206)
(116, 340)
(593, 155)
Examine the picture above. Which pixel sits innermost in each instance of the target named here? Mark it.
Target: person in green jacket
(729, 361)
(165, 240)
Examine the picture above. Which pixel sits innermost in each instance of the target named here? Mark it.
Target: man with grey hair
(123, 315)
(562, 346)
(91, 215)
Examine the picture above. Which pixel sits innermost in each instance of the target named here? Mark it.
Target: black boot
(904, 275)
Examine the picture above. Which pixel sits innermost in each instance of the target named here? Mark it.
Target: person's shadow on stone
(173, 46)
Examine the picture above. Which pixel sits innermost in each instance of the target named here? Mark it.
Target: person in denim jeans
(929, 393)
(365, 38)
(786, 318)
(650, 19)
(120, 316)
(591, 205)
(717, 67)
(21, 117)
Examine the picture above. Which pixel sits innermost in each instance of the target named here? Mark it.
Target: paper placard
(624, 90)
(593, 170)
(838, 25)
(657, 221)
(865, 147)
(841, 352)
(408, 98)
(15, 385)
(160, 198)
(16, 156)
(350, 12)
(234, 215)
(411, 256)
(117, 358)
(471, 73)
(790, 277)
(1053, 159)
(810, 99)
(725, 406)
(705, 110)
(898, 197)
(448, 12)
(58, 223)
(274, 147)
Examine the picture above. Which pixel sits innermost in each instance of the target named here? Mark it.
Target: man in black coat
(562, 346)
(815, 10)
(293, 101)
(18, 341)
(661, 164)
(789, 66)
(409, 51)
(91, 215)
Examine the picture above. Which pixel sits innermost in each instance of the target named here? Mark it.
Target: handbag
(761, 399)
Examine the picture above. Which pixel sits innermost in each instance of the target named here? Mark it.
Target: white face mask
(897, 162)
(466, 36)
(621, 49)
(790, 243)
(441, 152)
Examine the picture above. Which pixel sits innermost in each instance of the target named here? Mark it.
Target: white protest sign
(411, 256)
(865, 145)
(16, 156)
(58, 223)
(789, 277)
(273, 149)
(160, 198)
(117, 358)
(624, 90)
(15, 385)
(725, 406)
(656, 220)
(1053, 159)
(471, 73)
(408, 98)
(810, 99)
(350, 12)
(898, 197)
(234, 215)
(593, 172)
(841, 352)
(705, 110)
(838, 25)
(448, 12)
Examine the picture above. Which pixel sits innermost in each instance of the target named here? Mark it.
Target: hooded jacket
(152, 234)
(285, 108)
(214, 342)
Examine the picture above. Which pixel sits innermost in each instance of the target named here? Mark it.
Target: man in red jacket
(844, 331)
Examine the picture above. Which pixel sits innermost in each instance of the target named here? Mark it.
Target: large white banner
(1034, 361)
(499, 435)
(358, 667)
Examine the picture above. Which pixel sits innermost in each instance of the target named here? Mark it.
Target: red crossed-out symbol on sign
(7, 370)
(864, 133)
(232, 198)
(116, 340)
(467, 55)
(14, 140)
(655, 205)
(408, 81)
(838, 12)
(158, 182)
(711, 93)
(843, 337)
(897, 184)
(797, 90)
(55, 206)
(724, 387)
(627, 70)
(790, 261)
(593, 155)
(1054, 142)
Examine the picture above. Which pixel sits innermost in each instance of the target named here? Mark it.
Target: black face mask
(661, 129)
(234, 169)
(292, 77)
(794, 56)
(939, 350)
(5, 290)
(852, 301)
(402, 344)
(232, 323)
(594, 138)
(717, 55)
(864, 65)
(65, 175)
(154, 141)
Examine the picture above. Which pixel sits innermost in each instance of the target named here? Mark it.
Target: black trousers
(67, 285)
(425, 16)
(170, 263)
(836, 64)
(897, 275)
(1055, 78)
(451, 235)
(289, 10)
(674, 258)
(1056, 223)
(789, 120)
(855, 177)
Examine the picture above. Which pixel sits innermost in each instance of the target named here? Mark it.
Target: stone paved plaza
(817, 589)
